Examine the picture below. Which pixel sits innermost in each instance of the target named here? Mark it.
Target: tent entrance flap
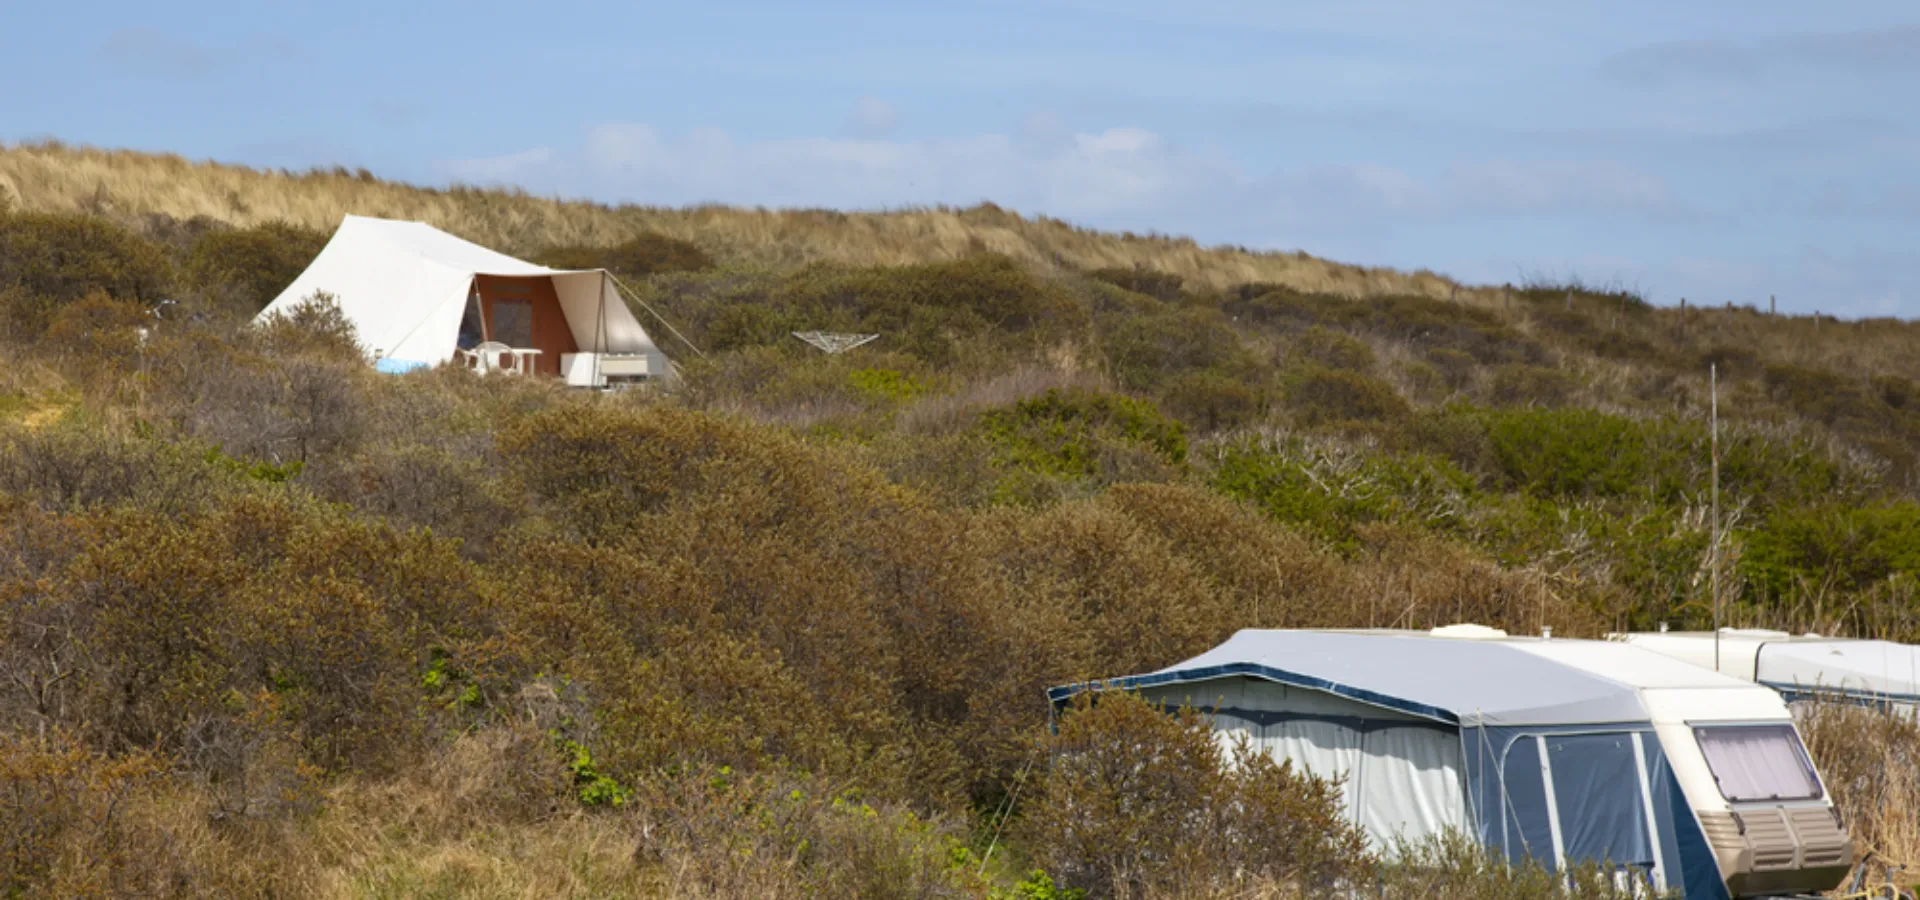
(525, 312)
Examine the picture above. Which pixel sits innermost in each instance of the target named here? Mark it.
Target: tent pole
(479, 308)
(599, 327)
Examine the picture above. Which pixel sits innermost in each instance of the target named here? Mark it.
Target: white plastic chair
(493, 356)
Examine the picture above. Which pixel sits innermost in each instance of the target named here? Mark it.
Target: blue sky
(1712, 150)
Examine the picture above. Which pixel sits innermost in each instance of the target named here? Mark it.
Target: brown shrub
(1209, 402)
(67, 832)
(289, 399)
(1517, 385)
(1870, 761)
(76, 464)
(734, 834)
(1318, 396)
(1140, 803)
(1457, 867)
(99, 337)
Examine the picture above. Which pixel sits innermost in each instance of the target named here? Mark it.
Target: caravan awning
(1461, 682)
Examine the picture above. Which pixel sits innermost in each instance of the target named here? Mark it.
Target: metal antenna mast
(1713, 426)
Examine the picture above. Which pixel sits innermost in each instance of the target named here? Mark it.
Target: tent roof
(433, 245)
(1463, 681)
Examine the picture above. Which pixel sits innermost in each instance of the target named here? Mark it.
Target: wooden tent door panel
(529, 310)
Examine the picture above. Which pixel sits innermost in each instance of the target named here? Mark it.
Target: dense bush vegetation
(248, 267)
(645, 254)
(1140, 803)
(271, 623)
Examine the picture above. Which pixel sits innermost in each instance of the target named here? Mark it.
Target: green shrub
(1038, 885)
(607, 469)
(1146, 351)
(1330, 349)
(984, 292)
(1319, 396)
(315, 325)
(1576, 453)
(49, 260)
(647, 253)
(249, 267)
(1831, 547)
(1062, 432)
(1159, 285)
(1333, 490)
(1424, 323)
(886, 385)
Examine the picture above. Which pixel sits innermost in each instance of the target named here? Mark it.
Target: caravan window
(1758, 762)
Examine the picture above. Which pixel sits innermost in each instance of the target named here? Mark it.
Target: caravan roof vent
(1469, 631)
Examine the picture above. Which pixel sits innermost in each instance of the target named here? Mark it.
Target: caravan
(1559, 751)
(1738, 757)
(1800, 667)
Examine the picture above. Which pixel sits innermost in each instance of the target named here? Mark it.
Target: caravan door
(1581, 797)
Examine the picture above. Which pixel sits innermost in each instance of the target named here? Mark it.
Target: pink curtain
(1758, 762)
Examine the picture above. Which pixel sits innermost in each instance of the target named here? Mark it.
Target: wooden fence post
(1770, 309)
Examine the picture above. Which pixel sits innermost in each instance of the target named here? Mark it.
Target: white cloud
(1507, 186)
(1131, 173)
(872, 117)
(1115, 169)
(509, 167)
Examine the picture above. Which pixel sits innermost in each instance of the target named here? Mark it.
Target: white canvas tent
(409, 288)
